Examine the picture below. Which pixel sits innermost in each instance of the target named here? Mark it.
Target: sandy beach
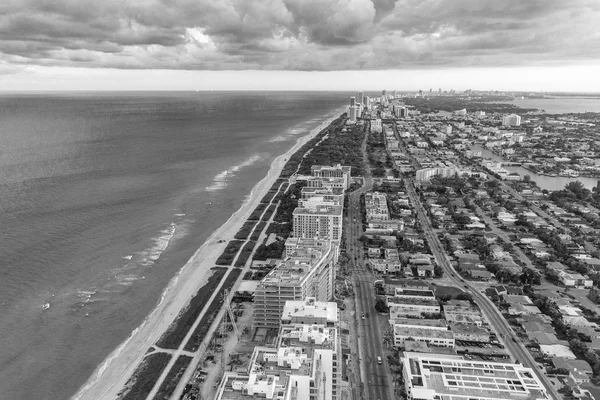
(109, 378)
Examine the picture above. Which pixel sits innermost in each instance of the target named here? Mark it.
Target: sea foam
(220, 180)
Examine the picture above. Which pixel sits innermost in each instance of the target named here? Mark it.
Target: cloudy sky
(300, 44)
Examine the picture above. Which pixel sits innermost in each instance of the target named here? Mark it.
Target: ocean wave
(220, 180)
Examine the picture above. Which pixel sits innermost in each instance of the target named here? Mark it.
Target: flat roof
(468, 329)
(423, 301)
(310, 308)
(320, 210)
(423, 331)
(450, 375)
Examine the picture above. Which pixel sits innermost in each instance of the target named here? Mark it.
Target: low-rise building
(573, 279)
(441, 376)
(429, 335)
(462, 312)
(310, 312)
(470, 333)
(412, 307)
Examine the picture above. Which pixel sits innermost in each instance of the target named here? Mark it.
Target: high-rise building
(309, 272)
(322, 221)
(352, 113)
(384, 93)
(303, 365)
(352, 101)
(359, 97)
(426, 174)
(511, 120)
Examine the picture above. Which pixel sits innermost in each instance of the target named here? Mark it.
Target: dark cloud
(296, 34)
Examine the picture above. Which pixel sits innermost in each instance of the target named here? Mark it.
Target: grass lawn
(170, 383)
(230, 252)
(143, 379)
(446, 290)
(211, 313)
(173, 336)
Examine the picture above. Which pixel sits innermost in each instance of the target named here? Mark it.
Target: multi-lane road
(375, 378)
(519, 353)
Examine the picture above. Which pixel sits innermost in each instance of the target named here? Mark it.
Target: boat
(46, 306)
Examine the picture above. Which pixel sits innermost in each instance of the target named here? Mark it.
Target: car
(379, 360)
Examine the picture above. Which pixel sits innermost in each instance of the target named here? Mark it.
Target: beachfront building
(335, 171)
(352, 113)
(444, 376)
(309, 272)
(330, 184)
(318, 220)
(310, 312)
(326, 195)
(511, 120)
(303, 365)
(304, 372)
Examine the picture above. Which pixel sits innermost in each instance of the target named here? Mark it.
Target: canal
(543, 181)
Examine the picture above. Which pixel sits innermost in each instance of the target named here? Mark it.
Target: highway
(375, 379)
(495, 318)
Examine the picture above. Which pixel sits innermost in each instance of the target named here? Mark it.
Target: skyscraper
(352, 113)
(359, 97)
(352, 101)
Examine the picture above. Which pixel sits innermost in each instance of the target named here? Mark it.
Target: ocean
(104, 197)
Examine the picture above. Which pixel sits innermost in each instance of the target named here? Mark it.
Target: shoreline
(110, 376)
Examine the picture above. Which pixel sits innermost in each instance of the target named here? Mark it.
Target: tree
(527, 178)
(464, 296)
(577, 188)
(381, 307)
(438, 272)
(445, 297)
(530, 277)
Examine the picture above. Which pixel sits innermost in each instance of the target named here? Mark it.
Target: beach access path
(199, 354)
(109, 379)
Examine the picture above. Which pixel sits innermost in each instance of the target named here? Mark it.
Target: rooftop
(310, 308)
(444, 374)
(425, 301)
(430, 332)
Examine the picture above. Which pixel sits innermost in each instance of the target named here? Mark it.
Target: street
(376, 379)
(511, 342)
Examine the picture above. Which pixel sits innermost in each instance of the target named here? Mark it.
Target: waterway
(543, 181)
(561, 105)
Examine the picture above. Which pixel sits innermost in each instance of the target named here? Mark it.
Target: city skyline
(300, 45)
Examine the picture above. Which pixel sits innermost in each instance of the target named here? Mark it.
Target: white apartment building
(376, 206)
(310, 312)
(443, 376)
(322, 221)
(511, 120)
(335, 171)
(333, 195)
(427, 173)
(308, 273)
